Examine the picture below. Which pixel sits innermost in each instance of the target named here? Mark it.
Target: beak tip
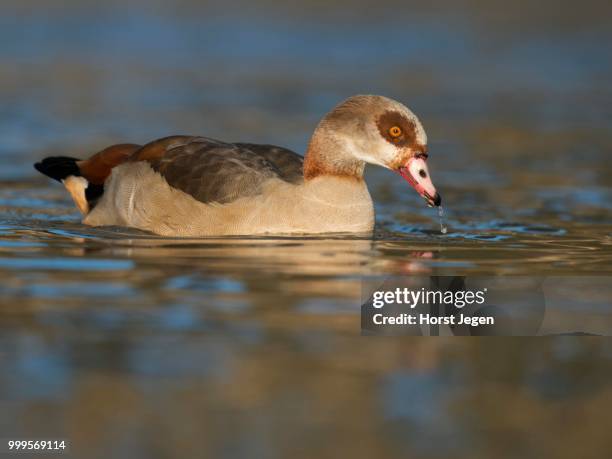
(437, 200)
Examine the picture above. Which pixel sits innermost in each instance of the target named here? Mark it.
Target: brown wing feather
(288, 163)
(97, 168)
(214, 171)
(158, 148)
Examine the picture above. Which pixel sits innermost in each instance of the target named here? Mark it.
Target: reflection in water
(131, 345)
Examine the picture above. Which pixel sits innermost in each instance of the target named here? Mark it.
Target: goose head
(375, 130)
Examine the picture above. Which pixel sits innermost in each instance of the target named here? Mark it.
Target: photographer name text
(428, 319)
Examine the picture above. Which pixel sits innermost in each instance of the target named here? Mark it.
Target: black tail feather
(58, 167)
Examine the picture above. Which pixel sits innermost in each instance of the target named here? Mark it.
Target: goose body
(197, 186)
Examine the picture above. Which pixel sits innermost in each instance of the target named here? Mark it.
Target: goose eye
(395, 131)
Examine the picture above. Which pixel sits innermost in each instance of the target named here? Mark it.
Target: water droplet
(443, 227)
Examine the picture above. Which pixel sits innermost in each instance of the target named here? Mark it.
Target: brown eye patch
(396, 129)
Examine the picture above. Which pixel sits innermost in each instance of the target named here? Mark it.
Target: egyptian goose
(197, 186)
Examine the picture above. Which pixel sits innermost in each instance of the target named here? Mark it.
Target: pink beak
(416, 173)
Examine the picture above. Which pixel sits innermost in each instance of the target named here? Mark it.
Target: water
(133, 345)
